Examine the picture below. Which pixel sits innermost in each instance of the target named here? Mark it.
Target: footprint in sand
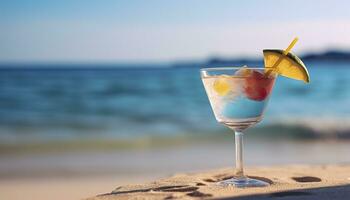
(306, 179)
(208, 180)
(199, 194)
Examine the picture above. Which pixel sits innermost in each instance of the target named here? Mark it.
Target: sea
(69, 102)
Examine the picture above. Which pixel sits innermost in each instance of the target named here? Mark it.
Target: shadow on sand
(334, 192)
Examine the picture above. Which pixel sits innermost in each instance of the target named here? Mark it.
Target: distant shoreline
(327, 56)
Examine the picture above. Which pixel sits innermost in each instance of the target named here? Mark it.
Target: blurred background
(94, 94)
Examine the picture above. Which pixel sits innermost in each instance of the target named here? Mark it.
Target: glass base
(243, 182)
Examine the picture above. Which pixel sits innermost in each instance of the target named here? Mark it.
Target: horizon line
(149, 62)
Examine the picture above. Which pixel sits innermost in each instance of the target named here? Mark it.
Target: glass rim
(231, 68)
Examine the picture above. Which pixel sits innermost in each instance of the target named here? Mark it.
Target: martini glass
(238, 97)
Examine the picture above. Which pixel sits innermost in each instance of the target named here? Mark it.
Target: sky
(161, 31)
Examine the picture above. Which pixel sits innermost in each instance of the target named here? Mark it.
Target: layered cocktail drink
(239, 95)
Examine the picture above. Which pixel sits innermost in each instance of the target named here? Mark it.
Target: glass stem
(239, 154)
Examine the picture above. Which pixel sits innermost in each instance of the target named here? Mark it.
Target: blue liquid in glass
(244, 108)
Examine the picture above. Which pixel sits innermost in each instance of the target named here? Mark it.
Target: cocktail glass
(238, 97)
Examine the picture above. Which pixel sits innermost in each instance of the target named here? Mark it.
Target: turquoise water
(98, 102)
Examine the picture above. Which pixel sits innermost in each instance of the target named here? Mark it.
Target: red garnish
(258, 86)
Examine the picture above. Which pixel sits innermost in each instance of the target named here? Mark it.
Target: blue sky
(158, 30)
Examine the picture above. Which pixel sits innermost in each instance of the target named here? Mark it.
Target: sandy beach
(287, 182)
(84, 174)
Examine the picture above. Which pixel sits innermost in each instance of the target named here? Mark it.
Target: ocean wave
(291, 129)
(306, 128)
(310, 128)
